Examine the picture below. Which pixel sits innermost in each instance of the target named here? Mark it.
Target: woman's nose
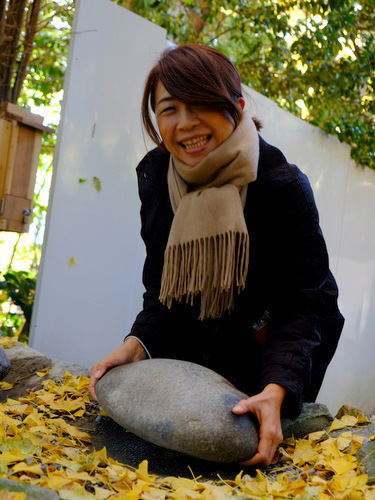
(187, 118)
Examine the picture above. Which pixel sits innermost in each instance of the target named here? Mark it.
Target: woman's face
(190, 132)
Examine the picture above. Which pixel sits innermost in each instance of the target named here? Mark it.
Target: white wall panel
(351, 376)
(319, 155)
(82, 312)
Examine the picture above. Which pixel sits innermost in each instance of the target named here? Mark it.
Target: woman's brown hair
(193, 74)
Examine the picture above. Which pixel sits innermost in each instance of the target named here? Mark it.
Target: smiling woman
(219, 85)
(236, 273)
(190, 132)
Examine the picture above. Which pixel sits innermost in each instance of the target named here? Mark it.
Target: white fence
(89, 287)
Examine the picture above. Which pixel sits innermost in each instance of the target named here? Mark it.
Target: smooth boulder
(181, 406)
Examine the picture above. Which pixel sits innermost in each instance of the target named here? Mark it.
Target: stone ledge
(25, 362)
(32, 492)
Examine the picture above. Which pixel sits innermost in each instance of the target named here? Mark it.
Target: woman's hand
(266, 407)
(128, 352)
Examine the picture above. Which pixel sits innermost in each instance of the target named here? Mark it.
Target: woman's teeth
(197, 142)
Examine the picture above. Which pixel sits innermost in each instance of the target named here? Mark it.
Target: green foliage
(17, 289)
(315, 58)
(42, 86)
(34, 38)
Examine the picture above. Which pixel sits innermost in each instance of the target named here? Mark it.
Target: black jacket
(289, 288)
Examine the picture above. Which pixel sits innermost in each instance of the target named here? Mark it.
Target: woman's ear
(241, 103)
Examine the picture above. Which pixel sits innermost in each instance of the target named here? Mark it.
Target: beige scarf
(208, 246)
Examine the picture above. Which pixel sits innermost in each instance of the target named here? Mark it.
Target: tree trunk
(2, 19)
(9, 46)
(31, 27)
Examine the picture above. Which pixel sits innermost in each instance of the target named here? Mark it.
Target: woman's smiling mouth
(195, 143)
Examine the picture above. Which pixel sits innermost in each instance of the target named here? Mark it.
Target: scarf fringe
(212, 266)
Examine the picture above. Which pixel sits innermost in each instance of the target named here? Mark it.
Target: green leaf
(97, 183)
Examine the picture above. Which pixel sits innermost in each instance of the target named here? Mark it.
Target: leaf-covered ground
(40, 445)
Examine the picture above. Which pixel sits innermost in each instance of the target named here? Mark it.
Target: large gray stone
(4, 364)
(180, 406)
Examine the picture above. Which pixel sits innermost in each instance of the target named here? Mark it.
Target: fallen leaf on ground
(40, 445)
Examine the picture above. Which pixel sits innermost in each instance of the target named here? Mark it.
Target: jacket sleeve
(156, 219)
(300, 287)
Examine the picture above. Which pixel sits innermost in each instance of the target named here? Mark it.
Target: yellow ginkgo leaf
(46, 398)
(33, 419)
(337, 424)
(67, 405)
(214, 492)
(10, 457)
(4, 419)
(352, 411)
(317, 436)
(11, 402)
(12, 495)
(304, 453)
(28, 469)
(44, 372)
(5, 386)
(79, 413)
(101, 493)
(83, 382)
(184, 493)
(142, 472)
(349, 420)
(180, 483)
(74, 492)
(55, 481)
(343, 442)
(341, 465)
(8, 342)
(72, 261)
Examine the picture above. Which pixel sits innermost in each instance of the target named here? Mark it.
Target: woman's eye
(169, 109)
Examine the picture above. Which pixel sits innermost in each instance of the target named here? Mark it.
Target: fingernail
(238, 408)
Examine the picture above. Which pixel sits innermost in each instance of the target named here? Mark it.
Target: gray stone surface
(58, 368)
(179, 406)
(4, 364)
(366, 457)
(32, 492)
(25, 362)
(314, 417)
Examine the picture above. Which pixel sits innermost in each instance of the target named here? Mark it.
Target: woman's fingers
(269, 440)
(266, 408)
(128, 352)
(96, 373)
